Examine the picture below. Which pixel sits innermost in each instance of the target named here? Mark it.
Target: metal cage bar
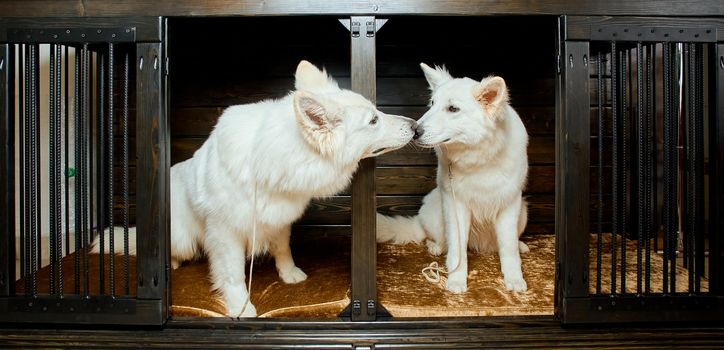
(80, 134)
(658, 116)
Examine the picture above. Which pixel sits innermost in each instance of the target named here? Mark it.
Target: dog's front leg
(282, 253)
(457, 228)
(506, 229)
(227, 259)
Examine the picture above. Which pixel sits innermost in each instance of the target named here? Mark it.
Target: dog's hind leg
(282, 253)
(431, 219)
(522, 222)
(186, 229)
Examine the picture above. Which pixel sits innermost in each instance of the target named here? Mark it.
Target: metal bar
(624, 163)
(678, 65)
(51, 172)
(26, 178)
(641, 178)
(599, 220)
(111, 113)
(21, 162)
(691, 159)
(126, 202)
(76, 150)
(83, 171)
(698, 115)
(7, 169)
(35, 252)
(670, 178)
(100, 169)
(650, 163)
(615, 227)
(58, 105)
(573, 157)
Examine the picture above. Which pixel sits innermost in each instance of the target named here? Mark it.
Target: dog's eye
(432, 102)
(374, 120)
(452, 109)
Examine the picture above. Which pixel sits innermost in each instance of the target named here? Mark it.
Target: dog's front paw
(293, 275)
(457, 287)
(515, 284)
(433, 248)
(234, 309)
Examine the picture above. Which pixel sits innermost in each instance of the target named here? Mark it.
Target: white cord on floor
(433, 272)
(253, 248)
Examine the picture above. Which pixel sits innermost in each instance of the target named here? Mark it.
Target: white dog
(480, 144)
(262, 164)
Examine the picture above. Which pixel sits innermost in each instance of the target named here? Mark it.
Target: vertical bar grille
(656, 88)
(67, 202)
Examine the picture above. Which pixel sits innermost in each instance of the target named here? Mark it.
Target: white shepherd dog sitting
(482, 167)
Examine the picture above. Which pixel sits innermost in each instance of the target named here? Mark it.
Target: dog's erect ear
(308, 77)
(492, 94)
(317, 119)
(435, 76)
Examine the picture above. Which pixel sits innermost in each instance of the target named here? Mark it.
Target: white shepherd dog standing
(278, 154)
(482, 167)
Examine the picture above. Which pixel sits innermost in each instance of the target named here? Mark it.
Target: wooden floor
(473, 334)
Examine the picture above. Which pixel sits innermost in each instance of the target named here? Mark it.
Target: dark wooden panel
(391, 91)
(364, 227)
(152, 174)
(199, 121)
(147, 28)
(573, 148)
(579, 27)
(335, 210)
(78, 8)
(540, 151)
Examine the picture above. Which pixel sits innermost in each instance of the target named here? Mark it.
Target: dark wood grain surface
(76, 8)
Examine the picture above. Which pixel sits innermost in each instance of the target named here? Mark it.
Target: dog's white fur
(480, 139)
(302, 146)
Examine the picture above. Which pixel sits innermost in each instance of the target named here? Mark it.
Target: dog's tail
(399, 229)
(118, 246)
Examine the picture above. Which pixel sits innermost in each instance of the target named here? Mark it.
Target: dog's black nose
(418, 131)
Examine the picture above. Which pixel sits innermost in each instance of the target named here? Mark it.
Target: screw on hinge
(371, 29)
(356, 307)
(354, 29)
(371, 307)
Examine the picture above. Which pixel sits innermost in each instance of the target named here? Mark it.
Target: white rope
(253, 248)
(433, 272)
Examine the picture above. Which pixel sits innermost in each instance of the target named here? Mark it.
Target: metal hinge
(370, 27)
(558, 63)
(354, 28)
(371, 309)
(356, 307)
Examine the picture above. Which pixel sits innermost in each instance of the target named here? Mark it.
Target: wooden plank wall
(219, 62)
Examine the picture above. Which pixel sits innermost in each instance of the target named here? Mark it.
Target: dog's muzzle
(418, 131)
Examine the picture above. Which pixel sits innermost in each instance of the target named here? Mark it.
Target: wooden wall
(220, 62)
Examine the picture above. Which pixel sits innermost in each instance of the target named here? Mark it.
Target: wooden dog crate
(622, 102)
